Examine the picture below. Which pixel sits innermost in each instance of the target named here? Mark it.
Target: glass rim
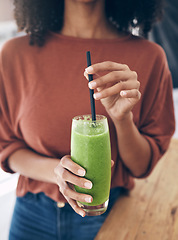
(88, 118)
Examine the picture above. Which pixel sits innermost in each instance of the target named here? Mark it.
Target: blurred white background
(8, 182)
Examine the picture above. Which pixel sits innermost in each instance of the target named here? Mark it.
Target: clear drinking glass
(90, 148)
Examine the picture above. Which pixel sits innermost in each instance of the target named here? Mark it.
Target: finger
(86, 75)
(113, 77)
(116, 88)
(68, 192)
(73, 167)
(94, 75)
(69, 177)
(75, 207)
(134, 93)
(106, 66)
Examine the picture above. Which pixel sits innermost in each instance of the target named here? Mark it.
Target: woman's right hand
(68, 174)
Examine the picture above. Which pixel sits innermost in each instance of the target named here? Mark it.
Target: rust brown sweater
(43, 88)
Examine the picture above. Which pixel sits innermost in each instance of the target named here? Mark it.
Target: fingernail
(123, 93)
(97, 95)
(86, 75)
(82, 214)
(92, 84)
(88, 199)
(88, 185)
(89, 69)
(81, 172)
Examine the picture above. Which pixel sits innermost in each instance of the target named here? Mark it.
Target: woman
(42, 88)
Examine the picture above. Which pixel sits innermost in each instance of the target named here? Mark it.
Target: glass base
(94, 210)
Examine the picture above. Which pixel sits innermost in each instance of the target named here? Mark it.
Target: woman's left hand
(118, 90)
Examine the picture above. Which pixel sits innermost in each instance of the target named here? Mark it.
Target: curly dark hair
(37, 17)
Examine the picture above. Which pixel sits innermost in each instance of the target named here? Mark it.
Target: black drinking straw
(92, 101)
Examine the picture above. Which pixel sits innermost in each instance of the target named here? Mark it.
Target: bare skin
(118, 91)
(86, 19)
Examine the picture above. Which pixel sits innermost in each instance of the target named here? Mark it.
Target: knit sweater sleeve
(157, 122)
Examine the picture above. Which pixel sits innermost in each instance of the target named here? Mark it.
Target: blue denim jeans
(37, 217)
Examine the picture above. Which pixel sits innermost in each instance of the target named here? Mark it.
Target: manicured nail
(82, 214)
(88, 185)
(81, 172)
(89, 69)
(88, 199)
(92, 84)
(97, 95)
(123, 93)
(86, 75)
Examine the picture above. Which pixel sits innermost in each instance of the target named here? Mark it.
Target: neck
(86, 19)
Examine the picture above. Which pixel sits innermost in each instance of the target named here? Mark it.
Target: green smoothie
(90, 148)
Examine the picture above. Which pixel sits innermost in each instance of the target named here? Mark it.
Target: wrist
(53, 165)
(124, 120)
